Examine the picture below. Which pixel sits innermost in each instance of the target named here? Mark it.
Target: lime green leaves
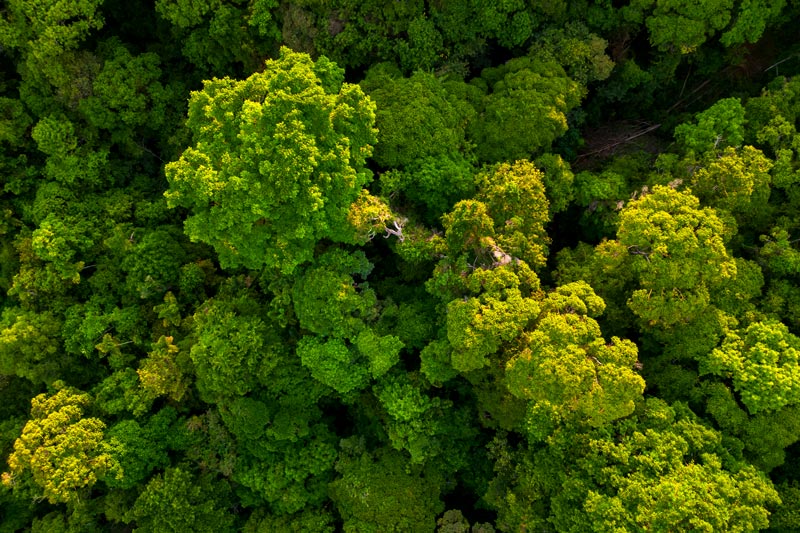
(276, 162)
(60, 448)
(564, 365)
(677, 251)
(764, 362)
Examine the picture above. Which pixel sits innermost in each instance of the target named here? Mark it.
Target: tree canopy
(415, 266)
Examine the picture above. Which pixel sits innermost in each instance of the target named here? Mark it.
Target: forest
(452, 266)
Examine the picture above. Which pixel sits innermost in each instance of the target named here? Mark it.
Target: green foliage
(468, 227)
(515, 197)
(280, 172)
(435, 361)
(127, 95)
(329, 302)
(469, 24)
(137, 449)
(525, 110)
(43, 36)
(786, 516)
(332, 362)
(718, 126)
(771, 115)
(427, 427)
(361, 33)
(423, 49)
(218, 33)
(61, 451)
(381, 351)
(164, 371)
(779, 254)
(558, 181)
(677, 251)
(48, 25)
(662, 470)
(417, 118)
(680, 25)
(454, 522)
(763, 361)
(178, 501)
(29, 346)
(235, 350)
(581, 53)
(307, 520)
(257, 358)
(14, 122)
(765, 435)
(564, 365)
(735, 180)
(751, 21)
(376, 492)
(153, 264)
(291, 478)
(69, 159)
(477, 327)
(437, 183)
(122, 392)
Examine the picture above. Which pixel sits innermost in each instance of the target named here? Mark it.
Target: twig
(623, 141)
(686, 79)
(680, 101)
(779, 62)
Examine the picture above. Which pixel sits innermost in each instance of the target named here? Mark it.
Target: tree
(46, 33)
(127, 97)
(235, 350)
(764, 363)
(676, 250)
(178, 501)
(377, 492)
(525, 110)
(288, 474)
(558, 181)
(215, 34)
(477, 327)
(29, 346)
(417, 118)
(153, 264)
(276, 162)
(564, 365)
(165, 371)
(70, 159)
(779, 254)
(766, 435)
(62, 451)
(139, 448)
(515, 197)
(430, 429)
(786, 518)
(662, 470)
(329, 302)
(333, 363)
(679, 25)
(308, 520)
(343, 350)
(434, 184)
(574, 47)
(735, 181)
(719, 126)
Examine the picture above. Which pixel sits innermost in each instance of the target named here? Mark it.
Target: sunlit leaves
(276, 162)
(60, 448)
(764, 362)
(677, 250)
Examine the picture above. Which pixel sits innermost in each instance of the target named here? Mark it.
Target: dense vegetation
(407, 265)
